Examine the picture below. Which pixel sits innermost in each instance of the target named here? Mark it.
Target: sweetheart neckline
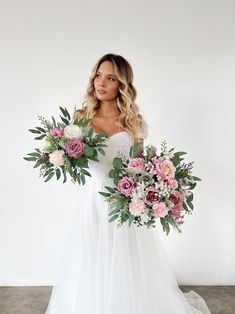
(112, 134)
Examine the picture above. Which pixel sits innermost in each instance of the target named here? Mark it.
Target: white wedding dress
(108, 270)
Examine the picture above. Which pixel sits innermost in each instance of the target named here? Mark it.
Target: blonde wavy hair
(130, 119)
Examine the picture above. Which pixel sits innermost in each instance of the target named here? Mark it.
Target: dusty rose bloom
(74, 147)
(151, 196)
(126, 186)
(136, 164)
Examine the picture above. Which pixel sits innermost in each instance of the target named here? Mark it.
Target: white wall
(182, 53)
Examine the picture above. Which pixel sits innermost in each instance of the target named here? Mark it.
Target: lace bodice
(119, 142)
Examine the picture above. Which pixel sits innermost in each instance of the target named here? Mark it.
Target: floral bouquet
(151, 186)
(66, 148)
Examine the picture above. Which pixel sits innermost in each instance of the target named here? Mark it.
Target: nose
(102, 82)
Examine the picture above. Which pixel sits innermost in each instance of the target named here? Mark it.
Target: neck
(108, 108)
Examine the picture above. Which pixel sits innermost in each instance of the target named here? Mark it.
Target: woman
(105, 269)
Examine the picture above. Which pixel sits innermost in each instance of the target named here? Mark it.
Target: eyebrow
(107, 74)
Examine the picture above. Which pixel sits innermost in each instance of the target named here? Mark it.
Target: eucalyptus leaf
(40, 137)
(117, 163)
(50, 176)
(113, 218)
(34, 131)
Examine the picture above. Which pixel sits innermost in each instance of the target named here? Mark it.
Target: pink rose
(160, 209)
(151, 196)
(154, 166)
(57, 158)
(74, 147)
(126, 186)
(136, 164)
(172, 183)
(177, 199)
(137, 207)
(168, 169)
(57, 133)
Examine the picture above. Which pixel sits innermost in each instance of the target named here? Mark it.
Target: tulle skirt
(108, 270)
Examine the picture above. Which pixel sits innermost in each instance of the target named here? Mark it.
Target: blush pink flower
(136, 164)
(57, 158)
(177, 199)
(137, 207)
(160, 209)
(154, 166)
(57, 133)
(126, 186)
(172, 183)
(168, 169)
(151, 196)
(74, 147)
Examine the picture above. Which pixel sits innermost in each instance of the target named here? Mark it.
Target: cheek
(114, 89)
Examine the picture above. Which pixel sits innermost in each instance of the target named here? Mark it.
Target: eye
(111, 78)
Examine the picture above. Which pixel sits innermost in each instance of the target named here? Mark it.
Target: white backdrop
(182, 53)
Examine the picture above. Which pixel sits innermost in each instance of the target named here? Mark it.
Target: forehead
(106, 67)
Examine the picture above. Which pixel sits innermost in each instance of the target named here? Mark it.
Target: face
(105, 83)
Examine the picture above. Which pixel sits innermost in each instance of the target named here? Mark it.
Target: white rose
(72, 130)
(46, 145)
(57, 158)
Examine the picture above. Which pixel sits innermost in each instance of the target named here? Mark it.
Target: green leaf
(41, 129)
(49, 176)
(190, 198)
(101, 151)
(113, 173)
(34, 154)
(170, 219)
(40, 137)
(119, 204)
(180, 153)
(65, 176)
(54, 122)
(34, 131)
(38, 163)
(114, 212)
(190, 205)
(84, 171)
(79, 179)
(100, 136)
(89, 151)
(63, 111)
(165, 225)
(30, 158)
(83, 178)
(58, 173)
(192, 186)
(110, 189)
(67, 114)
(185, 207)
(113, 218)
(135, 150)
(82, 162)
(131, 219)
(104, 194)
(117, 163)
(196, 178)
(66, 122)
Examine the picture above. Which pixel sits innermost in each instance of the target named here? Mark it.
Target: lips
(101, 91)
